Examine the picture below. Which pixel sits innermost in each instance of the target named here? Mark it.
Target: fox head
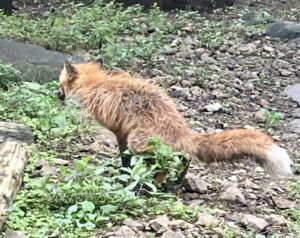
(71, 74)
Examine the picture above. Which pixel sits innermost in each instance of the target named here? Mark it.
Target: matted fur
(134, 110)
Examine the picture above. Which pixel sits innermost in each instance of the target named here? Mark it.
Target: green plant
(294, 188)
(8, 76)
(228, 232)
(272, 118)
(158, 163)
(37, 106)
(85, 196)
(294, 220)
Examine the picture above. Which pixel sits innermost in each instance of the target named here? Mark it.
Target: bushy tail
(234, 144)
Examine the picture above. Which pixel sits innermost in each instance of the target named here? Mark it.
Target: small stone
(252, 196)
(61, 161)
(14, 234)
(170, 50)
(283, 203)
(126, 232)
(213, 107)
(178, 224)
(188, 40)
(233, 178)
(206, 220)
(296, 113)
(172, 234)
(249, 184)
(254, 223)
(233, 194)
(43, 168)
(160, 223)
(292, 91)
(280, 64)
(268, 49)
(193, 183)
(295, 126)
(186, 54)
(248, 48)
(276, 219)
(260, 116)
(206, 58)
(284, 72)
(132, 223)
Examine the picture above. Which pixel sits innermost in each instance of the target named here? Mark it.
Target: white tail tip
(278, 162)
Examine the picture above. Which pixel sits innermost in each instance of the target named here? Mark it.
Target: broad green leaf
(87, 206)
(72, 209)
(106, 209)
(32, 85)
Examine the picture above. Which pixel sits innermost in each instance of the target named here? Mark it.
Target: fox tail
(234, 144)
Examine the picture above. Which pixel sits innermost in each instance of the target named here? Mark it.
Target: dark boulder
(35, 62)
(288, 31)
(203, 6)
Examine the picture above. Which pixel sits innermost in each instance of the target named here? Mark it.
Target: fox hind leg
(137, 140)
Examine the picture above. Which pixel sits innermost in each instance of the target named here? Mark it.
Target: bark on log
(13, 141)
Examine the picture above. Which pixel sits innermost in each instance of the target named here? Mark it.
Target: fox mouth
(61, 94)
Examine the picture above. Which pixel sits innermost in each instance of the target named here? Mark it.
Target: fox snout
(61, 94)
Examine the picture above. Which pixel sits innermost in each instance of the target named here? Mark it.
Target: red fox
(135, 110)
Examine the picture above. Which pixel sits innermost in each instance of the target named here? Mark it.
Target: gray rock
(276, 219)
(284, 72)
(213, 107)
(172, 234)
(14, 234)
(43, 168)
(59, 161)
(35, 62)
(15, 131)
(178, 224)
(296, 113)
(268, 49)
(280, 64)
(283, 30)
(160, 224)
(206, 220)
(233, 193)
(254, 223)
(132, 223)
(283, 203)
(293, 91)
(126, 232)
(193, 183)
(260, 116)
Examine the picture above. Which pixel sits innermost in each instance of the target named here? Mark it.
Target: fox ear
(71, 70)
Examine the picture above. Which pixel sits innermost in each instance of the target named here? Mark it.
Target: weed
(294, 188)
(36, 105)
(84, 197)
(227, 232)
(294, 220)
(8, 76)
(271, 118)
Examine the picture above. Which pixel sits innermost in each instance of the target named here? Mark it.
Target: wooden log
(13, 141)
(12, 165)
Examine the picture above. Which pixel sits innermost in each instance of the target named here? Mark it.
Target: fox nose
(61, 95)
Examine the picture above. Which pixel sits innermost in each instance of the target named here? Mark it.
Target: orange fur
(134, 110)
